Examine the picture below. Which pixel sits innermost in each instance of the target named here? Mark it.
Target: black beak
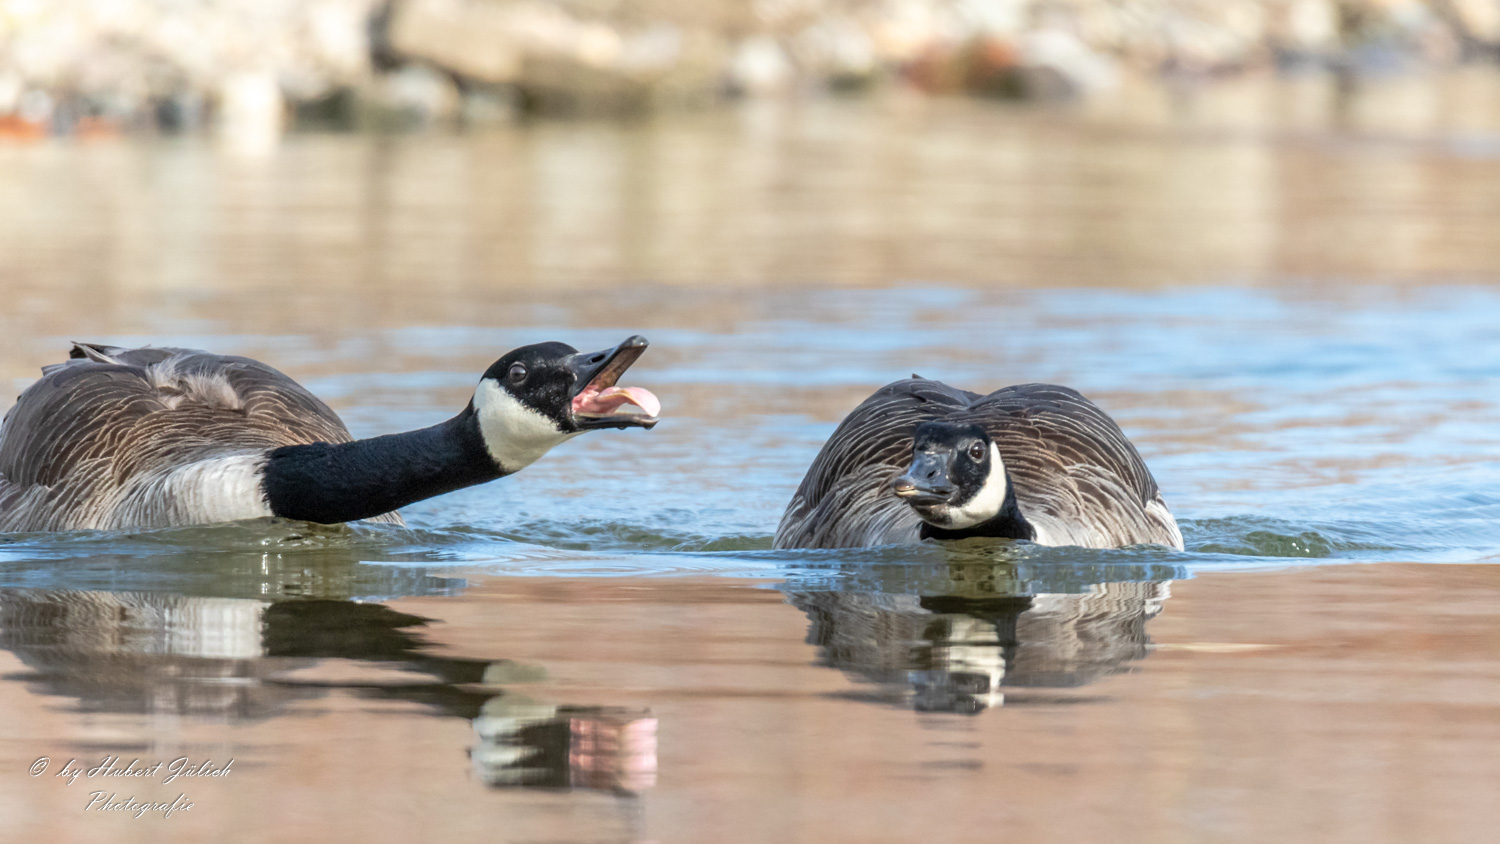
(925, 481)
(596, 372)
(603, 369)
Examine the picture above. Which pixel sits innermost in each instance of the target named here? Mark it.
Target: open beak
(598, 402)
(925, 482)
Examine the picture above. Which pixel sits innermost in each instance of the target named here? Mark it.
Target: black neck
(328, 483)
(1006, 524)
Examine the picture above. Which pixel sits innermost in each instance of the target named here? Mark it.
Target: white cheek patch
(514, 434)
(986, 503)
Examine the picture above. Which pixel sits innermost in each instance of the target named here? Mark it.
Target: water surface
(1294, 321)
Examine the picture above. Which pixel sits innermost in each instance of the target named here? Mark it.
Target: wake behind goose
(921, 459)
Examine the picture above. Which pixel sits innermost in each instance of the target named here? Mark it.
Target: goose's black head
(540, 395)
(956, 479)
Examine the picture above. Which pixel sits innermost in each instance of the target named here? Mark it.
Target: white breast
(218, 489)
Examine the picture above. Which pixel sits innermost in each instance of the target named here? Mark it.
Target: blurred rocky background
(255, 67)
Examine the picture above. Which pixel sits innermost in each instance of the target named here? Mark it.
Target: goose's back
(843, 501)
(1077, 478)
(110, 437)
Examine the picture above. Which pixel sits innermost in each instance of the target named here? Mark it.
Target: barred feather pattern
(1048, 639)
(1078, 480)
(120, 438)
(844, 500)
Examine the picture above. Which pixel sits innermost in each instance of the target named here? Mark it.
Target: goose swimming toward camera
(156, 437)
(921, 459)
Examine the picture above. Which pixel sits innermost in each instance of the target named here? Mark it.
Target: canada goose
(921, 459)
(155, 437)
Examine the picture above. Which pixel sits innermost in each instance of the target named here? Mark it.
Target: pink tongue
(612, 399)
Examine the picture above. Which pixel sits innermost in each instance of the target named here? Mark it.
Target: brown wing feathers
(76, 436)
(1076, 476)
(843, 501)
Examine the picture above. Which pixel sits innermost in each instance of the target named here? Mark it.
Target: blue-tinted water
(1286, 427)
(1300, 337)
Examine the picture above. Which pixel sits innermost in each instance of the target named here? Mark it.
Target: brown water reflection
(386, 702)
(234, 661)
(955, 653)
(1340, 704)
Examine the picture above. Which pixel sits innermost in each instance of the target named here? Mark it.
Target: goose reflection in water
(230, 658)
(946, 632)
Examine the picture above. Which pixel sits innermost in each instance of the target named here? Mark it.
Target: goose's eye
(977, 451)
(517, 373)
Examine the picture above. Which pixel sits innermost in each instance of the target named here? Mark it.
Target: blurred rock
(1056, 64)
(488, 106)
(105, 65)
(559, 61)
(251, 110)
(1478, 20)
(760, 67)
(412, 96)
(182, 111)
(172, 64)
(642, 72)
(839, 51)
(470, 37)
